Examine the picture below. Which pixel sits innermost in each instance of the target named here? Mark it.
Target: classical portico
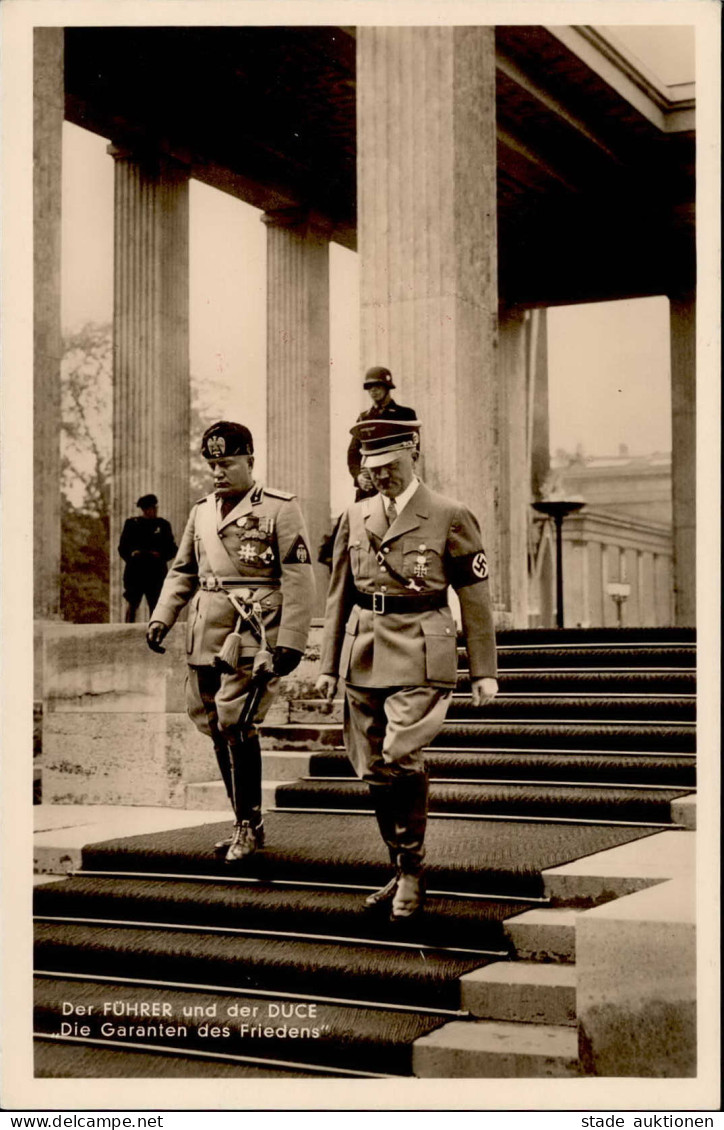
(482, 174)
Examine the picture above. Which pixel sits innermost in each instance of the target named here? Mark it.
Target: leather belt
(218, 584)
(380, 602)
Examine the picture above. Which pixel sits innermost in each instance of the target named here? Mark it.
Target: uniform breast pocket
(362, 561)
(350, 632)
(441, 653)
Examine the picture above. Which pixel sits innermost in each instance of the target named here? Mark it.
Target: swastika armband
(298, 553)
(468, 569)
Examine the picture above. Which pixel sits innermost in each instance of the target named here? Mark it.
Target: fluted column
(514, 377)
(683, 455)
(151, 397)
(426, 150)
(298, 371)
(48, 110)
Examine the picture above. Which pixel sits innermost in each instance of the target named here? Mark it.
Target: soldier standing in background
(390, 634)
(244, 565)
(379, 384)
(146, 545)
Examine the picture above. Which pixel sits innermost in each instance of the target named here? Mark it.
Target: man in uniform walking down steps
(244, 564)
(390, 634)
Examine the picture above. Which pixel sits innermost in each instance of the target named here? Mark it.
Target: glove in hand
(156, 632)
(286, 659)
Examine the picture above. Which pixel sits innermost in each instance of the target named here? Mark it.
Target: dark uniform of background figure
(251, 539)
(390, 634)
(146, 545)
(378, 382)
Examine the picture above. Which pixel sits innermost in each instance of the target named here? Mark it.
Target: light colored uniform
(401, 667)
(260, 547)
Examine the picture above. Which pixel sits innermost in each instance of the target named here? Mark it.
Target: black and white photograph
(360, 600)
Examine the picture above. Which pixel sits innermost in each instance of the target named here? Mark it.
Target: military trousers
(215, 698)
(386, 728)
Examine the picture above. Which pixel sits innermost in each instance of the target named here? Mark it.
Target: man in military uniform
(390, 634)
(378, 382)
(146, 545)
(244, 565)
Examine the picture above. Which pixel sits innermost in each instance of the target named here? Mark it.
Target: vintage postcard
(360, 576)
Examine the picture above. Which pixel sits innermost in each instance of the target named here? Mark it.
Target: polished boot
(248, 837)
(410, 795)
(382, 794)
(224, 763)
(245, 762)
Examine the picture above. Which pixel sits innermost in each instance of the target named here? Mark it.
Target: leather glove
(156, 632)
(286, 659)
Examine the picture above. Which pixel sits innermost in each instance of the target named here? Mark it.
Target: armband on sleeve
(468, 569)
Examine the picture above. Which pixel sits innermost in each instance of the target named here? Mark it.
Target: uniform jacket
(263, 539)
(391, 411)
(147, 535)
(434, 542)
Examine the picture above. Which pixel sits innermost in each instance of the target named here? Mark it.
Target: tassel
(229, 657)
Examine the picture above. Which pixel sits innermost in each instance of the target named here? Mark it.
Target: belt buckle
(378, 602)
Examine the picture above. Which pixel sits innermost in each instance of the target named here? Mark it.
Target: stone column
(48, 112)
(683, 448)
(515, 469)
(298, 419)
(426, 146)
(538, 415)
(151, 396)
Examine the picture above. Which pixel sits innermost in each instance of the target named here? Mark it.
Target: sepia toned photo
(365, 530)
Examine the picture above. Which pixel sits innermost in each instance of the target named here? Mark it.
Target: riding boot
(382, 794)
(224, 763)
(245, 758)
(411, 795)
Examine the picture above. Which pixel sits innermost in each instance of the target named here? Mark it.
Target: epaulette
(283, 494)
(200, 500)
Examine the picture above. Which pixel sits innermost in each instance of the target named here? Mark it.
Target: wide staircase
(156, 959)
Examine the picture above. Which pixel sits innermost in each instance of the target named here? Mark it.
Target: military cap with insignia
(378, 375)
(226, 438)
(382, 440)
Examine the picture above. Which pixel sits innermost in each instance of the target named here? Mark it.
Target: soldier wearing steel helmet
(245, 569)
(379, 384)
(390, 634)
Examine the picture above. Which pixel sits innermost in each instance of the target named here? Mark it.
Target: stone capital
(298, 218)
(152, 160)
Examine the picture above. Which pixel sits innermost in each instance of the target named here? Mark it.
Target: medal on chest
(247, 552)
(421, 567)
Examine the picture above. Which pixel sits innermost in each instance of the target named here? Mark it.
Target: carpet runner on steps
(591, 726)
(358, 1040)
(380, 989)
(471, 856)
(56, 1059)
(470, 923)
(676, 770)
(551, 801)
(525, 735)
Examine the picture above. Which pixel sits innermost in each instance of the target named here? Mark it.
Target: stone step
(683, 811)
(526, 991)
(489, 1049)
(543, 934)
(277, 766)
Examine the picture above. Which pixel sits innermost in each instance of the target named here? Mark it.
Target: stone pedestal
(298, 420)
(48, 111)
(636, 961)
(115, 729)
(683, 447)
(151, 397)
(426, 144)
